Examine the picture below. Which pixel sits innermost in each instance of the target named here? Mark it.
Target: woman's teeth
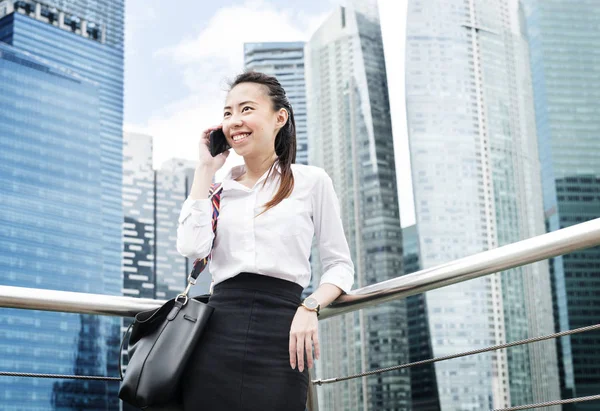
(240, 137)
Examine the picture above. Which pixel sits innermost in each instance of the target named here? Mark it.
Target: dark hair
(285, 141)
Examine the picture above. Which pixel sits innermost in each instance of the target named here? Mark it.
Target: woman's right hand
(204, 156)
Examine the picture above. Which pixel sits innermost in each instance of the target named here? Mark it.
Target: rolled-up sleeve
(336, 262)
(194, 231)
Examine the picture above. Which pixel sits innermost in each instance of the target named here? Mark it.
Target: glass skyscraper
(49, 237)
(350, 136)
(476, 180)
(286, 62)
(565, 63)
(71, 38)
(423, 388)
(61, 211)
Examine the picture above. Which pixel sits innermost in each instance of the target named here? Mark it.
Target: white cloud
(230, 27)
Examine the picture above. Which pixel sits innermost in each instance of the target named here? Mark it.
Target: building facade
(350, 136)
(565, 69)
(423, 387)
(78, 157)
(476, 185)
(48, 235)
(139, 269)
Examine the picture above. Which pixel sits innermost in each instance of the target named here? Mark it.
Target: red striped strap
(214, 192)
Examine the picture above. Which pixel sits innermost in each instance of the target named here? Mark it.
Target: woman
(261, 336)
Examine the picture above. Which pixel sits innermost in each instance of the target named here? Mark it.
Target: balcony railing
(564, 241)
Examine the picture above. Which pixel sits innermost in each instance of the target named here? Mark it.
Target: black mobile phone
(217, 143)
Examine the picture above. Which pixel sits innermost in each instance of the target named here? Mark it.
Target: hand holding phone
(213, 148)
(217, 143)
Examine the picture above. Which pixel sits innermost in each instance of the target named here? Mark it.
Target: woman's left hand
(304, 333)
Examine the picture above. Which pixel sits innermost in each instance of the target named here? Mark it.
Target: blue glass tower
(565, 65)
(61, 216)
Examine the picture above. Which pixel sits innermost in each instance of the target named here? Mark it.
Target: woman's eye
(226, 114)
(246, 108)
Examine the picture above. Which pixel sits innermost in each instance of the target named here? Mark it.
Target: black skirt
(242, 361)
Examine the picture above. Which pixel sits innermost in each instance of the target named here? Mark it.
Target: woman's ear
(282, 117)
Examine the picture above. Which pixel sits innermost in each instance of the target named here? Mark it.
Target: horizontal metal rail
(555, 243)
(566, 240)
(72, 302)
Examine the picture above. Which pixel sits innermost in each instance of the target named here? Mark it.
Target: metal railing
(566, 240)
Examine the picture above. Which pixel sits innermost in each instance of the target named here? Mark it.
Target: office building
(350, 136)
(476, 186)
(565, 67)
(77, 153)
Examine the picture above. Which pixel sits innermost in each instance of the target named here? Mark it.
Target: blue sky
(178, 61)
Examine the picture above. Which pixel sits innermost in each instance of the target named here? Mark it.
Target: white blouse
(278, 242)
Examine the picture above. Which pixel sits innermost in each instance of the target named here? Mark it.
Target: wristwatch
(311, 304)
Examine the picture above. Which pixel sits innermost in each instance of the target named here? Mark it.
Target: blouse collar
(236, 171)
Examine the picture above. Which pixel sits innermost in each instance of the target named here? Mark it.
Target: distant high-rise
(565, 63)
(139, 278)
(152, 199)
(285, 61)
(476, 186)
(350, 136)
(62, 213)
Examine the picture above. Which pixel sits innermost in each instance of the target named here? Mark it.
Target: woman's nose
(235, 121)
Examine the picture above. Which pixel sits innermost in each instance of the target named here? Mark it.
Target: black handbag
(162, 340)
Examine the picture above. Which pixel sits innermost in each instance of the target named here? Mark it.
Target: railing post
(312, 402)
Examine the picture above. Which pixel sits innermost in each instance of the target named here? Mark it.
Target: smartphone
(217, 143)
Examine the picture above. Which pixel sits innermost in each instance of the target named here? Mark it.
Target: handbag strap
(201, 263)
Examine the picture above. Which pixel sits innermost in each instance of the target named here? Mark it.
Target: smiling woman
(261, 338)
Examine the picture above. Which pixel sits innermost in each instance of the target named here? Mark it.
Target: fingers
(299, 342)
(303, 336)
(300, 352)
(206, 132)
(308, 344)
(292, 350)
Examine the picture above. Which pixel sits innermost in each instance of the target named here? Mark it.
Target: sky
(178, 61)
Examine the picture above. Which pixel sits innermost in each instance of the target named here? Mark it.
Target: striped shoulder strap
(214, 193)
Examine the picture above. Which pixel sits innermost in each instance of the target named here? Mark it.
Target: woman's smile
(239, 138)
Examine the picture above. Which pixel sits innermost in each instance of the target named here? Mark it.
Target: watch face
(311, 303)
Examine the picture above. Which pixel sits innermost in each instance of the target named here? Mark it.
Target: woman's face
(249, 122)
